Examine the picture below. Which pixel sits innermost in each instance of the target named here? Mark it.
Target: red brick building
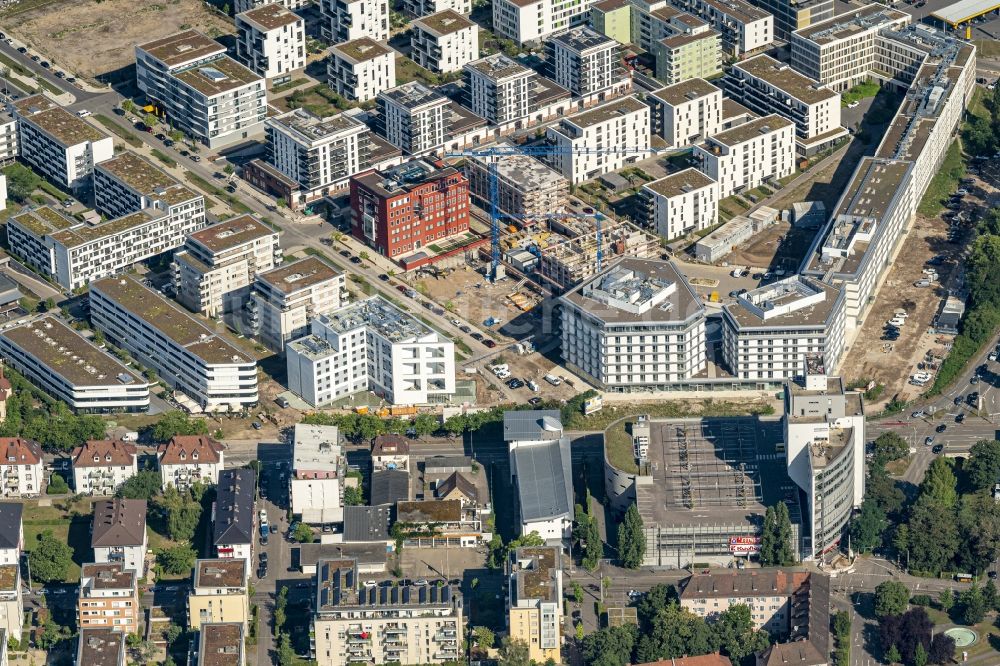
(403, 209)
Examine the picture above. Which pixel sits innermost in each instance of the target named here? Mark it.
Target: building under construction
(572, 261)
(527, 189)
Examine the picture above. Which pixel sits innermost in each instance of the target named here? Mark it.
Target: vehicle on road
(959, 399)
(959, 418)
(929, 441)
(919, 414)
(941, 428)
(937, 448)
(383, 277)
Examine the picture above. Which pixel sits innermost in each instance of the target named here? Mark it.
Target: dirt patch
(90, 38)
(892, 363)
(778, 246)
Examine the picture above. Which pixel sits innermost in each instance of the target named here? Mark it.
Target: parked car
(937, 448)
(959, 417)
(929, 441)
(489, 343)
(941, 428)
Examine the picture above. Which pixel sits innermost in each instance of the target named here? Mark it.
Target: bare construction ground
(91, 38)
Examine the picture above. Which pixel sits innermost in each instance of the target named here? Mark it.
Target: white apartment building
(317, 476)
(526, 187)
(686, 113)
(108, 598)
(533, 20)
(346, 20)
(271, 41)
(747, 155)
(769, 332)
(444, 42)
(240, 6)
(542, 472)
(498, 88)
(382, 623)
(21, 467)
(767, 86)
(745, 29)
(100, 384)
(57, 144)
(234, 517)
(11, 533)
(187, 459)
(209, 371)
(285, 299)
(200, 89)
(427, 7)
(100, 466)
(411, 117)
(824, 428)
(583, 61)
(215, 269)
(9, 149)
(534, 606)
(621, 127)
(638, 325)
(681, 203)
(371, 345)
(128, 183)
(360, 69)
(119, 533)
(840, 51)
(11, 601)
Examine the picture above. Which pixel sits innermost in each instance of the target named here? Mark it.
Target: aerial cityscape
(500, 332)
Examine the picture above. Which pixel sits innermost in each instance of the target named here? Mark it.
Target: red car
(489, 343)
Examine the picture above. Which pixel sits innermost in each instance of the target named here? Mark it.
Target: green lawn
(163, 157)
(944, 183)
(234, 203)
(118, 130)
(860, 92)
(294, 83)
(618, 443)
(72, 527)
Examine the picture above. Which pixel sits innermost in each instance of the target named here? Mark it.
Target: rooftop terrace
(388, 320)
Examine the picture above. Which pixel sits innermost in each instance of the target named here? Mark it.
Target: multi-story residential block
(9, 148)
(400, 210)
(101, 384)
(21, 467)
(526, 187)
(533, 20)
(824, 428)
(360, 69)
(371, 345)
(11, 601)
(792, 15)
(118, 534)
(498, 88)
(128, 183)
(691, 55)
(541, 473)
(287, 298)
(444, 42)
(317, 477)
(108, 598)
(234, 515)
(584, 61)
(346, 20)
(215, 269)
(766, 86)
(101, 465)
(188, 459)
(240, 6)
(200, 89)
(613, 18)
(411, 117)
(309, 157)
(534, 607)
(441, 523)
(747, 155)
(680, 204)
(219, 592)
(769, 332)
(221, 644)
(57, 144)
(841, 51)
(409, 624)
(745, 29)
(428, 7)
(271, 41)
(210, 371)
(686, 113)
(621, 128)
(11, 533)
(101, 647)
(636, 326)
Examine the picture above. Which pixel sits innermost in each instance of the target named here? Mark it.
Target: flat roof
(44, 220)
(82, 234)
(429, 511)
(298, 275)
(786, 79)
(231, 233)
(311, 127)
(69, 355)
(751, 129)
(220, 644)
(169, 319)
(848, 24)
(100, 646)
(797, 301)
(217, 77)
(108, 576)
(145, 178)
(362, 49)
(378, 313)
(679, 183)
(315, 447)
(636, 292)
(338, 586)
(732, 109)
(531, 425)
(414, 95)
(536, 576)
(738, 9)
(964, 10)
(270, 17)
(498, 66)
(525, 172)
(9, 574)
(603, 114)
(443, 23)
(583, 38)
(57, 122)
(681, 40)
(182, 47)
(220, 572)
(685, 91)
(611, 5)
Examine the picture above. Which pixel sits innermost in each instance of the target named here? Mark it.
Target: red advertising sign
(744, 545)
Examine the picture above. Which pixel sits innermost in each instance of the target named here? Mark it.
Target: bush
(57, 486)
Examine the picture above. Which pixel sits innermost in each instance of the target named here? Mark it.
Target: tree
(973, 605)
(21, 182)
(888, 447)
(577, 592)
(280, 606)
(942, 649)
(128, 106)
(868, 527)
(631, 539)
(882, 489)
(176, 560)
(979, 138)
(150, 120)
(676, 632)
(483, 637)
(983, 465)
(990, 595)
(892, 655)
(920, 656)
(933, 534)
(57, 486)
(657, 599)
(940, 484)
(51, 558)
(513, 652)
(177, 423)
(229, 170)
(176, 135)
(285, 653)
(946, 600)
(737, 636)
(144, 485)
(891, 598)
(776, 537)
(303, 533)
(181, 513)
(353, 496)
(425, 424)
(611, 646)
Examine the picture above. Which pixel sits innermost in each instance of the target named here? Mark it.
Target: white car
(962, 192)
(853, 105)
(263, 517)
(897, 322)
(900, 314)
(83, 113)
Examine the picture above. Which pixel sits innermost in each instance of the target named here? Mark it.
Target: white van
(552, 379)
